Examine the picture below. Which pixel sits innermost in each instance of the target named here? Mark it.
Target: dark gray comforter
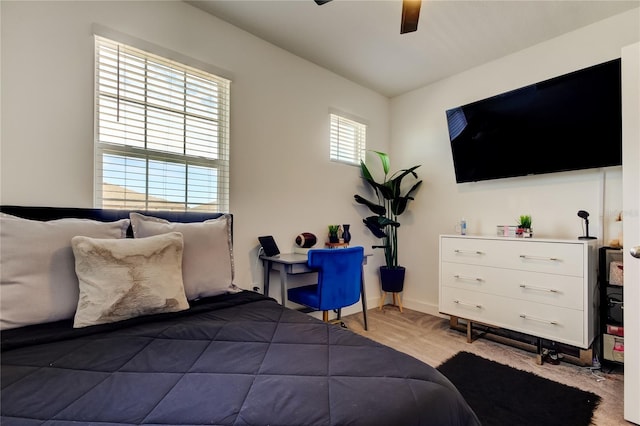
(237, 359)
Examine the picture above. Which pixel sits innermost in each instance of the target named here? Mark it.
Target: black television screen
(570, 122)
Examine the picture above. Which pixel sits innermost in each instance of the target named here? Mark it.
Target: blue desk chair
(340, 281)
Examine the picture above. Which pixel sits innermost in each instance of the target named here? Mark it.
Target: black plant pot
(392, 279)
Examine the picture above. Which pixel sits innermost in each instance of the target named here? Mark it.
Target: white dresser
(541, 287)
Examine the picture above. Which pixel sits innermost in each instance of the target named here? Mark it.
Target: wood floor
(429, 339)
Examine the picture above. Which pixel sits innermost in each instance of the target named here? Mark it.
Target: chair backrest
(339, 275)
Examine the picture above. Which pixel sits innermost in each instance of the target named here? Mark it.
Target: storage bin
(613, 348)
(616, 330)
(616, 276)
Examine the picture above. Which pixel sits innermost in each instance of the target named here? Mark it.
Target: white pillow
(207, 261)
(121, 279)
(38, 282)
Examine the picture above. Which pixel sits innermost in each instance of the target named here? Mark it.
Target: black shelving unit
(611, 306)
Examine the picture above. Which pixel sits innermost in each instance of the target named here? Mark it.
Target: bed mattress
(235, 359)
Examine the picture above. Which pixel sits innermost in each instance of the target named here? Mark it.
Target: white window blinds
(347, 140)
(162, 133)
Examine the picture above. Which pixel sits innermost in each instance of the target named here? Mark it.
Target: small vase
(333, 238)
(346, 235)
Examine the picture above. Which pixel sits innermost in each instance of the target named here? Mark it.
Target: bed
(229, 357)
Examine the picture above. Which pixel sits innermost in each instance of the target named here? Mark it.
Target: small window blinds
(161, 135)
(347, 140)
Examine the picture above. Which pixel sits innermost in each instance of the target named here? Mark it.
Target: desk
(293, 264)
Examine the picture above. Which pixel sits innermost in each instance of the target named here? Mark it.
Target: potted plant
(333, 233)
(392, 200)
(524, 226)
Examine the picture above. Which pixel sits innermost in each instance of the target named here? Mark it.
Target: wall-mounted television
(570, 122)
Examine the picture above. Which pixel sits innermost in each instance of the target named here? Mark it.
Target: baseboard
(426, 308)
(416, 305)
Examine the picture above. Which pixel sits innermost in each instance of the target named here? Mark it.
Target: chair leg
(325, 316)
(364, 314)
(363, 297)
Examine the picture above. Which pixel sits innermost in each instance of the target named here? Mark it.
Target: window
(348, 140)
(162, 133)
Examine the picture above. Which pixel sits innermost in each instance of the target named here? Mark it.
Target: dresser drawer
(546, 321)
(557, 290)
(522, 254)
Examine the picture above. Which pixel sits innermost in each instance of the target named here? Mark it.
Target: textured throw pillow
(121, 279)
(38, 281)
(207, 262)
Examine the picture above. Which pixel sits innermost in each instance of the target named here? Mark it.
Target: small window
(348, 140)
(162, 133)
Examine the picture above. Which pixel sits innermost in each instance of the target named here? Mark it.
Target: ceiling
(361, 41)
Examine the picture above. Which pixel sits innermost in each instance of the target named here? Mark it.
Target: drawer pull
(462, 277)
(523, 316)
(478, 252)
(473, 305)
(531, 287)
(550, 259)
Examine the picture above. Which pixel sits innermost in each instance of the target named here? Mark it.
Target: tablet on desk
(269, 245)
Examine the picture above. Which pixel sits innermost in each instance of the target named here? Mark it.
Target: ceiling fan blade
(321, 2)
(410, 15)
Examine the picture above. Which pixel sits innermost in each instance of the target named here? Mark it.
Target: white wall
(281, 180)
(419, 136)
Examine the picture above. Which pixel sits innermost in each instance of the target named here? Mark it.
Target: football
(306, 240)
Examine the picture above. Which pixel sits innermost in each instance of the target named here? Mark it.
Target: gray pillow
(121, 279)
(38, 282)
(207, 261)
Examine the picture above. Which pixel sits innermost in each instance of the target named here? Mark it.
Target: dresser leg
(586, 356)
(539, 355)
(453, 321)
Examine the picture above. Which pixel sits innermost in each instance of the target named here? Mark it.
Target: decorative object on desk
(524, 227)
(306, 240)
(333, 233)
(346, 234)
(269, 246)
(585, 215)
(391, 203)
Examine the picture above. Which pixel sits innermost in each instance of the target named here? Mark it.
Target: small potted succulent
(524, 227)
(333, 233)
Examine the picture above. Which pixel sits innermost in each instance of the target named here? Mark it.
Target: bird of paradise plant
(391, 202)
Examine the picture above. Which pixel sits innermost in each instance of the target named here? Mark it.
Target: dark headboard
(103, 215)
